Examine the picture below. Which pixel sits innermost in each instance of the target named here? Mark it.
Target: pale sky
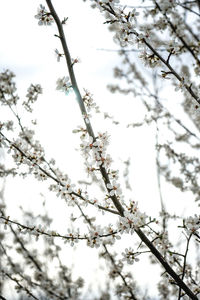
(28, 50)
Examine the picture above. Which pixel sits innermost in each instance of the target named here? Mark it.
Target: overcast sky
(28, 50)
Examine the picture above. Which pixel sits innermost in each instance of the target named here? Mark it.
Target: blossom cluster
(192, 224)
(32, 95)
(65, 189)
(96, 157)
(94, 238)
(133, 219)
(188, 167)
(130, 256)
(94, 151)
(29, 153)
(99, 235)
(7, 88)
(161, 241)
(89, 102)
(44, 17)
(125, 22)
(128, 31)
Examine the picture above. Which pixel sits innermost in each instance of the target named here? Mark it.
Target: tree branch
(116, 202)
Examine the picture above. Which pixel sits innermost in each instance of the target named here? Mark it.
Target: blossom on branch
(44, 17)
(63, 84)
(32, 95)
(114, 188)
(129, 256)
(58, 55)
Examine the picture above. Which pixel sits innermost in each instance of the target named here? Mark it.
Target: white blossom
(58, 55)
(63, 84)
(114, 188)
(192, 223)
(44, 17)
(129, 256)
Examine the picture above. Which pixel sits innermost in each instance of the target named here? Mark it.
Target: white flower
(89, 144)
(87, 118)
(133, 15)
(58, 55)
(114, 188)
(63, 84)
(69, 187)
(66, 189)
(129, 256)
(76, 60)
(45, 17)
(192, 223)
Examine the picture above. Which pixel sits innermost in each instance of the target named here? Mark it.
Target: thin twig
(184, 262)
(54, 178)
(38, 231)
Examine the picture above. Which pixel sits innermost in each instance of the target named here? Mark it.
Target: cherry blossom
(44, 16)
(63, 84)
(114, 188)
(129, 256)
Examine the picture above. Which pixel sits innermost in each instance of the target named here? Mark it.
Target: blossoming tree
(164, 35)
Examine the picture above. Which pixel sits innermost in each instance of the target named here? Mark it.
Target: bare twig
(184, 262)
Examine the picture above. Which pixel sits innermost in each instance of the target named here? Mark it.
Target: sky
(28, 50)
